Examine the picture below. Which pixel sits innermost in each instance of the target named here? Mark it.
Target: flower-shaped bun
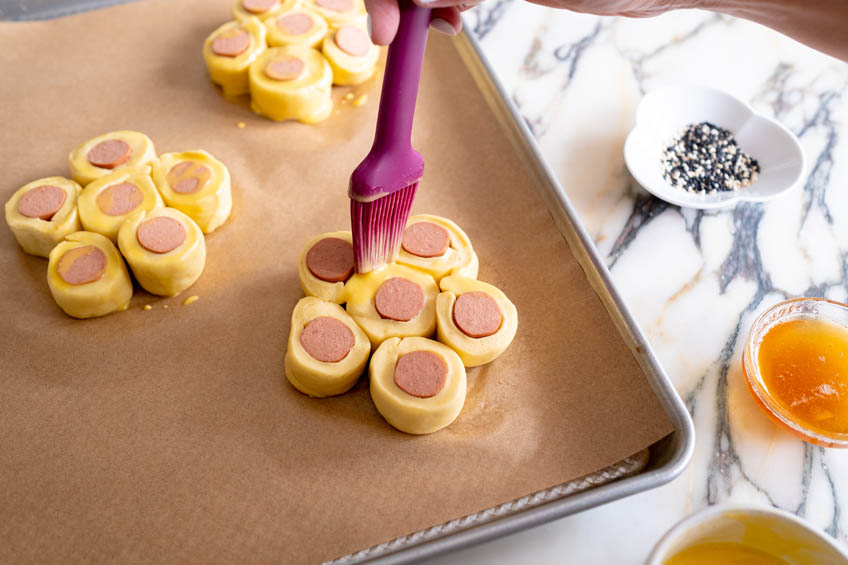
(230, 50)
(437, 246)
(327, 351)
(197, 184)
(475, 319)
(109, 153)
(105, 203)
(164, 248)
(395, 301)
(325, 264)
(87, 276)
(418, 385)
(41, 213)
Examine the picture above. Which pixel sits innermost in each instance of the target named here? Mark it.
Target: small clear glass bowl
(795, 309)
(784, 536)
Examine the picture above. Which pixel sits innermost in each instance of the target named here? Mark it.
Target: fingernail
(442, 26)
(424, 2)
(370, 27)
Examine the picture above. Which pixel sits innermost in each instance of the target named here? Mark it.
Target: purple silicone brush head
(378, 226)
(383, 186)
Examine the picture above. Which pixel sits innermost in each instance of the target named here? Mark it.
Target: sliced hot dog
(399, 299)
(327, 339)
(476, 314)
(336, 5)
(287, 68)
(161, 234)
(421, 373)
(231, 43)
(188, 177)
(426, 239)
(82, 265)
(352, 41)
(42, 202)
(110, 153)
(331, 259)
(119, 199)
(258, 6)
(295, 24)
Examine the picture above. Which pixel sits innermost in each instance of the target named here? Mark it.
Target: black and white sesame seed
(705, 158)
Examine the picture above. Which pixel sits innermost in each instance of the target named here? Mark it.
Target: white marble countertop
(694, 280)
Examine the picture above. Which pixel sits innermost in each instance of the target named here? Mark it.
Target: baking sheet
(171, 434)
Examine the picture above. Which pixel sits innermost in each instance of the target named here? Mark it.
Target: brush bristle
(378, 226)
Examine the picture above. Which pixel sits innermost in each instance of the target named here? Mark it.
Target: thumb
(383, 17)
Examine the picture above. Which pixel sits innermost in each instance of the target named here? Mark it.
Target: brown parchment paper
(172, 434)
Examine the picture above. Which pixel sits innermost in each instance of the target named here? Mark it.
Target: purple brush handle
(392, 164)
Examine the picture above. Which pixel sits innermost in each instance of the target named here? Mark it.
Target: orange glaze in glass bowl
(800, 311)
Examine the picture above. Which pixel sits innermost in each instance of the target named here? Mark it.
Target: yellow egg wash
(190, 300)
(189, 173)
(210, 201)
(360, 292)
(169, 273)
(724, 553)
(361, 288)
(804, 367)
(35, 235)
(306, 96)
(110, 200)
(67, 261)
(98, 286)
(364, 287)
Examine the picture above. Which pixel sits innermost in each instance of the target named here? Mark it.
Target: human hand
(627, 8)
(820, 25)
(383, 14)
(383, 17)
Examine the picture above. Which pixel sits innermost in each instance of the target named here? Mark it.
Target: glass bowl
(794, 309)
(779, 534)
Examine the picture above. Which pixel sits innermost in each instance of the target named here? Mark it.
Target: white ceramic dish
(774, 532)
(662, 113)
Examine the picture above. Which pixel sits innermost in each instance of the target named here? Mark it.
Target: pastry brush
(383, 186)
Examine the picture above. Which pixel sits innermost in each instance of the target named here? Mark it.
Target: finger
(446, 20)
(383, 17)
(468, 6)
(440, 3)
